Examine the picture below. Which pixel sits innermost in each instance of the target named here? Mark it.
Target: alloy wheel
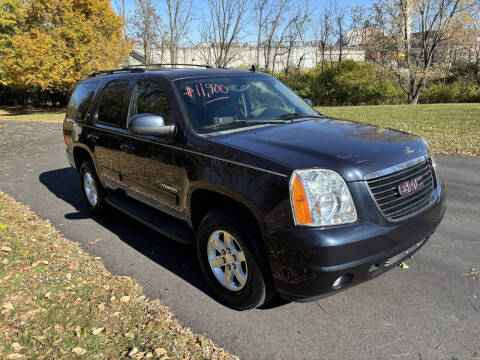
(227, 260)
(90, 188)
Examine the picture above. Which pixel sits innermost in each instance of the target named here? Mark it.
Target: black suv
(276, 198)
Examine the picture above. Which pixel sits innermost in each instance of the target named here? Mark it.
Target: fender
(227, 192)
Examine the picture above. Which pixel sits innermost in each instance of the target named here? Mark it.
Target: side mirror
(309, 102)
(148, 124)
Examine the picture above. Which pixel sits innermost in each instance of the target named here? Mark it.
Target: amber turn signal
(300, 202)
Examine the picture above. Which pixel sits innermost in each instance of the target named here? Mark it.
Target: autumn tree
(416, 32)
(11, 15)
(60, 42)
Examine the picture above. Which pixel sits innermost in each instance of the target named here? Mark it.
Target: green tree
(60, 41)
(11, 14)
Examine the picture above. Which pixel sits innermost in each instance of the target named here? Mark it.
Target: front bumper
(305, 262)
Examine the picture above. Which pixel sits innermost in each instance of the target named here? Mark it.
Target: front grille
(391, 204)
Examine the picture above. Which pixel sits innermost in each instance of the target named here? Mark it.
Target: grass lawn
(449, 128)
(57, 302)
(22, 114)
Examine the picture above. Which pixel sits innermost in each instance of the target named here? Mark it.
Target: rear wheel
(93, 192)
(230, 262)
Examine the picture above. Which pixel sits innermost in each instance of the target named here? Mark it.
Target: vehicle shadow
(175, 257)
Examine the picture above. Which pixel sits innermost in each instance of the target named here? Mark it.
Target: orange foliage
(61, 41)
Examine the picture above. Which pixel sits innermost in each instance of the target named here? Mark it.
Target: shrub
(348, 83)
(459, 91)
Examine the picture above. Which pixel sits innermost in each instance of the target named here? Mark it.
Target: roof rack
(141, 68)
(161, 65)
(115, 71)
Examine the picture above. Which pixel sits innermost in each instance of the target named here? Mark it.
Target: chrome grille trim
(396, 168)
(383, 188)
(402, 255)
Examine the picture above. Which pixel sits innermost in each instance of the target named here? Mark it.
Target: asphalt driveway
(429, 311)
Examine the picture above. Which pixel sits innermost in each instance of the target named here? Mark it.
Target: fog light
(342, 281)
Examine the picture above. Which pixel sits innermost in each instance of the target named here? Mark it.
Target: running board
(162, 223)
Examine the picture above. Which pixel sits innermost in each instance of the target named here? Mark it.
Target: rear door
(151, 166)
(106, 136)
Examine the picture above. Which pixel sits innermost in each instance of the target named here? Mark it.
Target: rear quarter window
(80, 101)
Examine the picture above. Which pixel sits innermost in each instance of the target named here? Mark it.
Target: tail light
(63, 129)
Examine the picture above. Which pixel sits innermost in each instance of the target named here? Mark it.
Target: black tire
(257, 288)
(99, 208)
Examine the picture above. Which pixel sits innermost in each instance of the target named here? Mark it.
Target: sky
(200, 6)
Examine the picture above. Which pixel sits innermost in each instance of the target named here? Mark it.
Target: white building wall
(307, 56)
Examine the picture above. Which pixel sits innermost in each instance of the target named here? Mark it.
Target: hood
(352, 149)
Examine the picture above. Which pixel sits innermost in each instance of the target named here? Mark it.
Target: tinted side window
(80, 101)
(112, 109)
(148, 98)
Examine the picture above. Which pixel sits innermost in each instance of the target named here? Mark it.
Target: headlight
(425, 141)
(320, 198)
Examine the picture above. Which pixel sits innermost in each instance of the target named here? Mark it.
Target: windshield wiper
(295, 115)
(255, 122)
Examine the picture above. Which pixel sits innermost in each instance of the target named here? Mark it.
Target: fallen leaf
(98, 331)
(3, 226)
(125, 299)
(25, 254)
(15, 356)
(5, 248)
(133, 352)
(129, 335)
(79, 351)
(160, 351)
(69, 276)
(16, 346)
(8, 306)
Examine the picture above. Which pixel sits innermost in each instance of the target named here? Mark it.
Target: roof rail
(115, 71)
(141, 68)
(161, 65)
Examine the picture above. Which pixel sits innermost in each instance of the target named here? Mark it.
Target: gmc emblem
(410, 186)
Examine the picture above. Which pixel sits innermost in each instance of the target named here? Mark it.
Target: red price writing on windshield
(205, 90)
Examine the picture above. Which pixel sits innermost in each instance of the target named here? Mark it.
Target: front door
(150, 166)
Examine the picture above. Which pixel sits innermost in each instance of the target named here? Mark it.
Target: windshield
(231, 102)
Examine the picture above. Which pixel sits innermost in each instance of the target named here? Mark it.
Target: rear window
(80, 101)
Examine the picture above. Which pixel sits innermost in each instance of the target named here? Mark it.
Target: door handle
(92, 137)
(128, 148)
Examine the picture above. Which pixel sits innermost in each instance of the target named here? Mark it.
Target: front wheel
(230, 262)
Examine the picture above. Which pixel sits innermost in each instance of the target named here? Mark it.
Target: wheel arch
(82, 153)
(203, 200)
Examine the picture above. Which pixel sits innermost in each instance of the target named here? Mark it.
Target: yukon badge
(410, 186)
